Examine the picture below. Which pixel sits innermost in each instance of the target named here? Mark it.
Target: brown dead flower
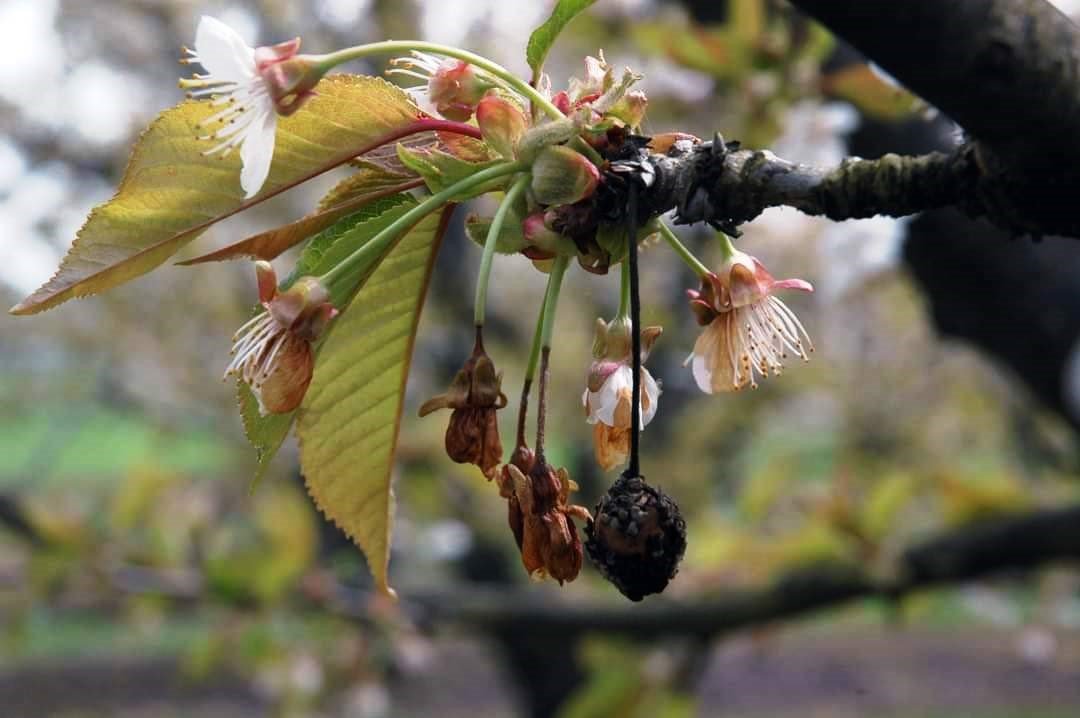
(475, 395)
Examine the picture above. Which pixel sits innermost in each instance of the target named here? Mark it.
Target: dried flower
(608, 396)
(540, 517)
(747, 331)
(273, 353)
(255, 85)
(454, 87)
(474, 395)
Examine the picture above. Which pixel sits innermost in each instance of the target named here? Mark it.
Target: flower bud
(541, 237)
(562, 176)
(554, 132)
(502, 124)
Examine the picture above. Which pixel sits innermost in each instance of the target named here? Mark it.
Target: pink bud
(540, 236)
(502, 123)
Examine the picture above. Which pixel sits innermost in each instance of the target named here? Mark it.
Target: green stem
(551, 301)
(684, 254)
(325, 62)
(727, 249)
(538, 335)
(482, 279)
(530, 370)
(348, 271)
(624, 291)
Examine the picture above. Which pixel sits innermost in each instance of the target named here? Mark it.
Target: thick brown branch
(719, 183)
(1007, 70)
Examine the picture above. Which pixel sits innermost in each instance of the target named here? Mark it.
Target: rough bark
(1008, 71)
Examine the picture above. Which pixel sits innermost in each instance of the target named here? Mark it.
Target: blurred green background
(141, 573)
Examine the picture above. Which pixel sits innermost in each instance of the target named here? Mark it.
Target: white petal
(702, 374)
(651, 389)
(224, 54)
(257, 152)
(606, 400)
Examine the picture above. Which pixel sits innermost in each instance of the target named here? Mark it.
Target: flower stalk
(330, 60)
(551, 302)
(484, 276)
(685, 254)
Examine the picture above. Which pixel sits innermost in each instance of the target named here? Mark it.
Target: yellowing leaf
(171, 192)
(348, 423)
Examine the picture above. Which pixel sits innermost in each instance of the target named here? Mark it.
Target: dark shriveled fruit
(637, 539)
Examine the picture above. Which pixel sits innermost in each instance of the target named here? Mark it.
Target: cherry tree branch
(720, 183)
(1008, 71)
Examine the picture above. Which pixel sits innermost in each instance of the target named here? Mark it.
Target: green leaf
(325, 250)
(171, 192)
(349, 420)
(442, 169)
(265, 433)
(544, 37)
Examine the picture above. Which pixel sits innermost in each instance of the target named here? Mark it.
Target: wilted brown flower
(273, 353)
(540, 517)
(475, 394)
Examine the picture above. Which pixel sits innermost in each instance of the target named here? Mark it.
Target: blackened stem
(634, 468)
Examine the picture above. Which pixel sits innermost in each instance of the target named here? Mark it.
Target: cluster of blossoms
(554, 151)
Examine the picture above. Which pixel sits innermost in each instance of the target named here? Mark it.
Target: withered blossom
(453, 87)
(540, 516)
(475, 394)
(608, 395)
(272, 353)
(748, 331)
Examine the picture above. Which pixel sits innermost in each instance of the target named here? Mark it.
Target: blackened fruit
(637, 539)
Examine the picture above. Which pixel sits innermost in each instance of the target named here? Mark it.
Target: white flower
(254, 86)
(748, 331)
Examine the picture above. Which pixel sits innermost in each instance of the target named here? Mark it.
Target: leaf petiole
(344, 277)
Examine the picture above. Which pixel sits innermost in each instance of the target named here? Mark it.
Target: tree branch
(1008, 71)
(718, 183)
(971, 552)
